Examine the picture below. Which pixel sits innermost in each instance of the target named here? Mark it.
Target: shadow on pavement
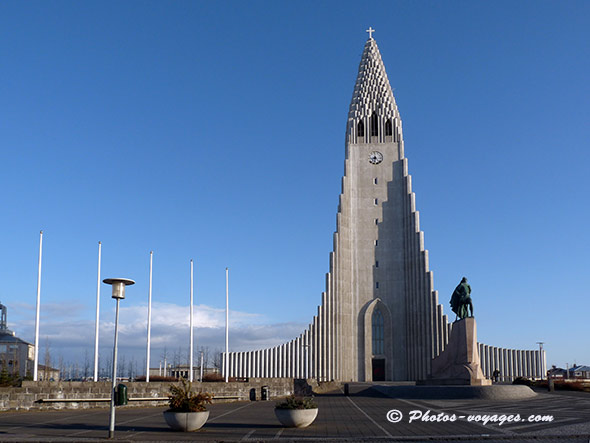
(69, 426)
(330, 394)
(369, 392)
(85, 427)
(356, 391)
(241, 425)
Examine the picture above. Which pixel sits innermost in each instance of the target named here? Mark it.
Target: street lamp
(118, 285)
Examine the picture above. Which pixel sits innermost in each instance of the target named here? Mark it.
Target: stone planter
(186, 421)
(298, 418)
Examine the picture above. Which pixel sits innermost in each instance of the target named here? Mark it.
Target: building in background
(47, 373)
(582, 371)
(16, 355)
(182, 371)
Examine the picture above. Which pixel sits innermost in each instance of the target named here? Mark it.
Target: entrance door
(378, 369)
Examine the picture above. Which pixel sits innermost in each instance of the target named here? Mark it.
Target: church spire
(373, 104)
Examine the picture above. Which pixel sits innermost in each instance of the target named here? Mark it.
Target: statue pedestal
(459, 363)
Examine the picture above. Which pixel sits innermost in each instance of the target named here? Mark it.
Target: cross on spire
(370, 31)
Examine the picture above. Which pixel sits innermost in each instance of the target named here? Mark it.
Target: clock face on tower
(375, 157)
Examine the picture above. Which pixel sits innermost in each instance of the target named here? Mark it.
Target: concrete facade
(379, 318)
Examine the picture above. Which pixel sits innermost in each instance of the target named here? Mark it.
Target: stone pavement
(360, 417)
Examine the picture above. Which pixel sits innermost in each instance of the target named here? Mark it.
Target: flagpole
(36, 363)
(96, 327)
(226, 324)
(191, 329)
(201, 378)
(149, 322)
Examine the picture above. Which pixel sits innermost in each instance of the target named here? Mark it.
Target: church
(379, 317)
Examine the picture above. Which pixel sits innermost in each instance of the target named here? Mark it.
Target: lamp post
(118, 285)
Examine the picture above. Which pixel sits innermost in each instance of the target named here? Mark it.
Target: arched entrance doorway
(378, 350)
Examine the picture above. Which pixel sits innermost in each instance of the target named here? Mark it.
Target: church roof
(11, 338)
(372, 91)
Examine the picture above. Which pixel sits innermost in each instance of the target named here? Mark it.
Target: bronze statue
(461, 300)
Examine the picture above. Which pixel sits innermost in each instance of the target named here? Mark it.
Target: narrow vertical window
(375, 180)
(376, 242)
(376, 221)
(376, 201)
(374, 124)
(388, 128)
(376, 285)
(377, 264)
(360, 129)
(378, 332)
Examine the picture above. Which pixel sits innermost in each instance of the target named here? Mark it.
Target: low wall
(29, 395)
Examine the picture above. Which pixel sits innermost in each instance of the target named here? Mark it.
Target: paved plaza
(362, 416)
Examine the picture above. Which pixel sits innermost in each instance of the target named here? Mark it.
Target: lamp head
(118, 285)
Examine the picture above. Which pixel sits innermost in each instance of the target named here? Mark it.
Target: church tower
(386, 306)
(379, 318)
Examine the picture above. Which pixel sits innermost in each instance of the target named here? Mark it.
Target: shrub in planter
(296, 411)
(188, 411)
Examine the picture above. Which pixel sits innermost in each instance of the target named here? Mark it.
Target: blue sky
(215, 131)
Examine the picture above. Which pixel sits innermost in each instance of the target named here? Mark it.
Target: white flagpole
(201, 378)
(36, 363)
(191, 329)
(96, 327)
(149, 322)
(226, 324)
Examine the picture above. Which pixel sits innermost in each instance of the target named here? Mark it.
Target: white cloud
(175, 316)
(73, 338)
